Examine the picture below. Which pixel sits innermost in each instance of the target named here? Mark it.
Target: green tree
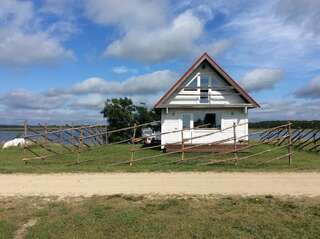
(121, 113)
(145, 115)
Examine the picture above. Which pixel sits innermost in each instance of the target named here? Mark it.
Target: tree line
(309, 124)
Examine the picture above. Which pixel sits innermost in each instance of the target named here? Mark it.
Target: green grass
(104, 156)
(147, 217)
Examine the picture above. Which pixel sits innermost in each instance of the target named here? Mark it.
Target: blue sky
(61, 59)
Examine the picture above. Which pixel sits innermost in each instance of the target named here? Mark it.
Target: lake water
(8, 135)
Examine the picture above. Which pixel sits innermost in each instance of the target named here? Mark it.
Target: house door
(186, 126)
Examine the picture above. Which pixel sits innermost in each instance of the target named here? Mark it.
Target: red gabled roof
(215, 66)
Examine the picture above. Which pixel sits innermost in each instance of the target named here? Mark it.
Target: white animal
(18, 142)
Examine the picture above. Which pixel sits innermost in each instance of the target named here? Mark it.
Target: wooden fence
(71, 139)
(286, 137)
(78, 139)
(302, 139)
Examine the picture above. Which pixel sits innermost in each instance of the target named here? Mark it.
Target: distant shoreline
(19, 128)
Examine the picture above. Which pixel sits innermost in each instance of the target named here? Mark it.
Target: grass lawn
(146, 217)
(104, 156)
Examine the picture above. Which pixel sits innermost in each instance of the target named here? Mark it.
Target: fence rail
(302, 139)
(79, 139)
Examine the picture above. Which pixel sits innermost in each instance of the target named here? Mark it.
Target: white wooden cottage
(204, 100)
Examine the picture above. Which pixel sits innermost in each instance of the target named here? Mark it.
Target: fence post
(235, 143)
(132, 143)
(81, 138)
(72, 130)
(107, 141)
(46, 133)
(289, 143)
(25, 131)
(182, 145)
(80, 144)
(60, 134)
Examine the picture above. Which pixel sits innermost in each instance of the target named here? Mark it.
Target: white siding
(173, 121)
(216, 95)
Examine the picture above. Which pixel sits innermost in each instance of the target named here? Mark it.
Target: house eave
(206, 106)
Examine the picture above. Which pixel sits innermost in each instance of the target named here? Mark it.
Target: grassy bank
(104, 157)
(138, 217)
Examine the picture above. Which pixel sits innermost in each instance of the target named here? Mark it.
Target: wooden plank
(305, 140)
(247, 157)
(273, 159)
(32, 151)
(298, 137)
(41, 157)
(80, 131)
(44, 147)
(235, 143)
(132, 144)
(272, 129)
(289, 144)
(51, 140)
(94, 139)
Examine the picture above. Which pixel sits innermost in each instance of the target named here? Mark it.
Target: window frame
(209, 85)
(196, 79)
(190, 121)
(205, 92)
(218, 121)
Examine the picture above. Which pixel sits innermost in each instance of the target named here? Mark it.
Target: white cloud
(90, 101)
(58, 7)
(305, 14)
(127, 13)
(150, 83)
(53, 116)
(84, 100)
(23, 99)
(17, 48)
(93, 85)
(120, 69)
(152, 31)
(311, 90)
(159, 44)
(261, 79)
(267, 38)
(16, 13)
(214, 48)
(283, 109)
(22, 39)
(146, 84)
(220, 46)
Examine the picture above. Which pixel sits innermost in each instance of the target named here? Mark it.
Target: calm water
(8, 135)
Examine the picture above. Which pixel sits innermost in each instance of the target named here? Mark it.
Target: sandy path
(63, 185)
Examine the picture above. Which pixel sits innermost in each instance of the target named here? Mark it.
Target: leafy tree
(145, 115)
(121, 113)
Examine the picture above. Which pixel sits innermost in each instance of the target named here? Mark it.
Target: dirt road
(65, 185)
